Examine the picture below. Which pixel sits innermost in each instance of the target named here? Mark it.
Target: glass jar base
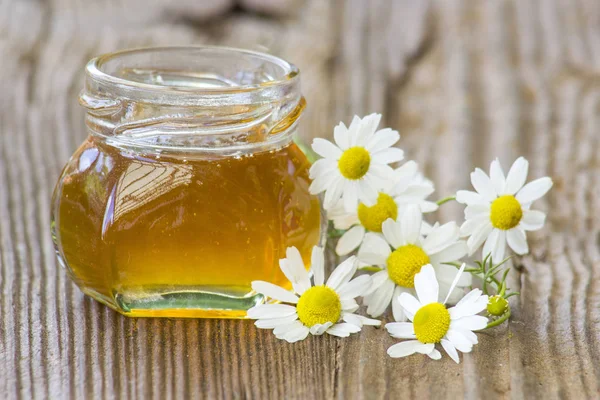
(182, 303)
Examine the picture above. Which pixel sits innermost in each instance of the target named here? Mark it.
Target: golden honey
(188, 186)
(134, 226)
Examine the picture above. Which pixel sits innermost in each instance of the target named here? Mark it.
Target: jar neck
(192, 99)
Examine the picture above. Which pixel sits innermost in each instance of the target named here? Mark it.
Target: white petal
(497, 176)
(482, 183)
(382, 139)
(333, 193)
(270, 311)
(451, 253)
(410, 304)
(356, 287)
(446, 273)
(532, 220)
(471, 337)
(326, 149)
(401, 330)
(517, 241)
(275, 292)
(459, 341)
(454, 296)
(477, 210)
(323, 170)
(353, 130)
(380, 176)
(428, 206)
(317, 262)
(409, 347)
(377, 280)
(426, 228)
(388, 156)
(323, 182)
(392, 231)
(293, 268)
(368, 321)
(455, 281)
(350, 196)
(470, 225)
(416, 193)
(270, 323)
(404, 175)
(397, 310)
(280, 330)
(478, 237)
(350, 240)
(435, 355)
(441, 237)
(473, 303)
(320, 329)
(450, 350)
(472, 323)
(468, 197)
(516, 176)
(368, 191)
(345, 221)
(343, 273)
(534, 190)
(343, 329)
(352, 319)
(374, 250)
(341, 137)
(300, 332)
(349, 305)
(411, 224)
(497, 246)
(368, 126)
(426, 285)
(380, 299)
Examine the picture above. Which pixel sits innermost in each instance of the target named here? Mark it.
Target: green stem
(499, 320)
(445, 200)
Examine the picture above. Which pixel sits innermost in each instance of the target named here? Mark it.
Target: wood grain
(463, 81)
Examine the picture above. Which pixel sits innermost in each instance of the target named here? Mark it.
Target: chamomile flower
(411, 251)
(432, 323)
(356, 166)
(498, 212)
(314, 309)
(407, 187)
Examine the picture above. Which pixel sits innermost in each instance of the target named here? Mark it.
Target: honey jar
(189, 185)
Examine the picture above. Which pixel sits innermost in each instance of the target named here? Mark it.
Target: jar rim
(285, 82)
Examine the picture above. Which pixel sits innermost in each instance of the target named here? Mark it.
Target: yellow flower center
(354, 163)
(372, 217)
(318, 305)
(506, 212)
(404, 263)
(497, 305)
(431, 322)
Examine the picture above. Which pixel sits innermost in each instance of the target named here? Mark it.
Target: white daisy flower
(432, 323)
(312, 309)
(411, 252)
(355, 167)
(498, 212)
(407, 187)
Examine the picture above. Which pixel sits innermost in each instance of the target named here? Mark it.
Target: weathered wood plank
(464, 81)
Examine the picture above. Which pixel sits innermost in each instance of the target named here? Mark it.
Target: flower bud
(497, 305)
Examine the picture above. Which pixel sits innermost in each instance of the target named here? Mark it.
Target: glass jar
(189, 185)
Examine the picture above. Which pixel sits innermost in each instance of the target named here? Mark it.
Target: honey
(189, 185)
(141, 228)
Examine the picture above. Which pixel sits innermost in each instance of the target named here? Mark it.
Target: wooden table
(463, 81)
